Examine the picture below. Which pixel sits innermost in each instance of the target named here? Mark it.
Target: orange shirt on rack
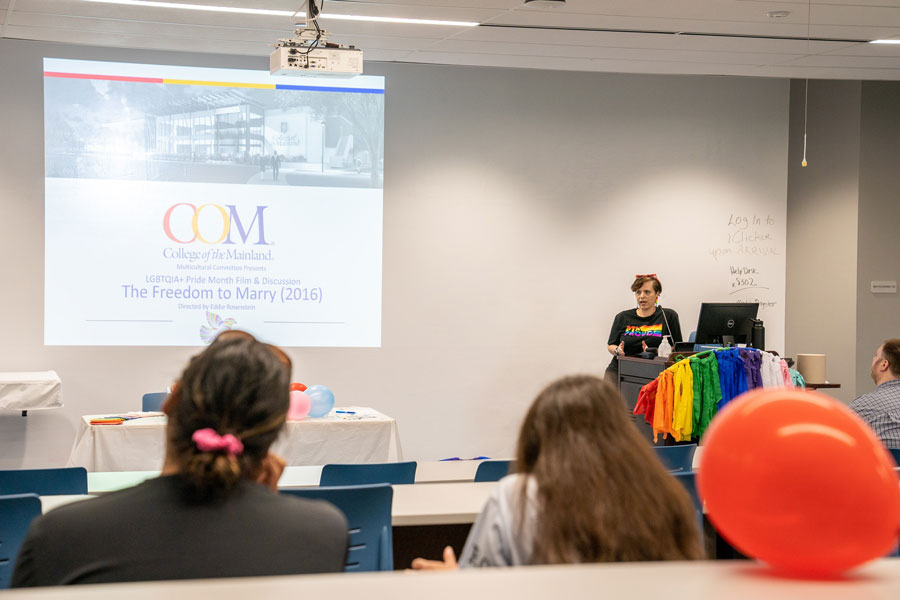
(665, 397)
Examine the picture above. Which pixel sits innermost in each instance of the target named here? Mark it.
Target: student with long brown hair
(587, 488)
(214, 511)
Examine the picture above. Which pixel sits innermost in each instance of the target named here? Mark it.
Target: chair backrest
(44, 482)
(676, 459)
(895, 452)
(16, 514)
(689, 482)
(153, 401)
(368, 512)
(493, 470)
(396, 473)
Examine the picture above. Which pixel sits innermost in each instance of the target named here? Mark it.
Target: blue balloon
(321, 400)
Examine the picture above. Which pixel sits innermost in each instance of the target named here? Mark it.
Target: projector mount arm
(307, 33)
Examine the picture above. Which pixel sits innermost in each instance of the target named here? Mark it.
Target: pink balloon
(300, 405)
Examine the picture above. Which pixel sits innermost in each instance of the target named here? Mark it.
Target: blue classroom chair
(44, 482)
(895, 452)
(493, 470)
(16, 513)
(676, 459)
(396, 473)
(368, 512)
(689, 482)
(153, 402)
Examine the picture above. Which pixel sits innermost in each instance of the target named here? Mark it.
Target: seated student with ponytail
(587, 488)
(214, 511)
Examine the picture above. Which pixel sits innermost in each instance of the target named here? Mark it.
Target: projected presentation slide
(180, 202)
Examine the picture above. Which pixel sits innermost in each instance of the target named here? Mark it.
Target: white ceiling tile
(865, 62)
(733, 10)
(579, 52)
(884, 50)
(817, 3)
(392, 29)
(491, 60)
(383, 55)
(153, 15)
(855, 32)
(638, 40)
(366, 42)
(482, 4)
(863, 16)
(153, 42)
(438, 12)
(109, 26)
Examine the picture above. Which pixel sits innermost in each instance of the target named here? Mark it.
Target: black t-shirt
(155, 531)
(632, 329)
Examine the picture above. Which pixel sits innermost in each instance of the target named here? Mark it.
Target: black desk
(635, 373)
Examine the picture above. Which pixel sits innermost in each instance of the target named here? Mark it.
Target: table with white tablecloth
(30, 391)
(357, 435)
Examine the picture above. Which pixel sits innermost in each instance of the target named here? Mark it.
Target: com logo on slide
(185, 223)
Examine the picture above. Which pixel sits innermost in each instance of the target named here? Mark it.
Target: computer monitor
(725, 322)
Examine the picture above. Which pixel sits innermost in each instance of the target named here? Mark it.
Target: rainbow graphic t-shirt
(635, 331)
(643, 330)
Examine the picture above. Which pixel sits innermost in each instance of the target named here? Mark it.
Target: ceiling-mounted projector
(310, 52)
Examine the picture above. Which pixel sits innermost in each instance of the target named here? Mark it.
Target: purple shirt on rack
(752, 363)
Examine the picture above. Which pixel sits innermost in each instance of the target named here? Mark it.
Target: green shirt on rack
(707, 391)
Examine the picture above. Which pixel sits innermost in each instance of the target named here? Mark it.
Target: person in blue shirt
(880, 409)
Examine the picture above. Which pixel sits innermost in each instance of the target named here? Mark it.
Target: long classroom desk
(305, 476)
(455, 503)
(712, 580)
(295, 476)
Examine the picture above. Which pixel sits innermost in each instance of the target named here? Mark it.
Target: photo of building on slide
(100, 129)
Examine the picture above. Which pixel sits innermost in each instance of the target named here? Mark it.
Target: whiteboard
(718, 243)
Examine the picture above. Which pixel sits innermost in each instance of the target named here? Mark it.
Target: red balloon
(298, 387)
(796, 479)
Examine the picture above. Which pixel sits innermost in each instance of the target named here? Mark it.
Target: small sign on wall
(884, 287)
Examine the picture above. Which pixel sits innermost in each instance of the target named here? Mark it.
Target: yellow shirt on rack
(683, 410)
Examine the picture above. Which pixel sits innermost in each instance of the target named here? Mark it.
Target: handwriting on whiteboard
(748, 235)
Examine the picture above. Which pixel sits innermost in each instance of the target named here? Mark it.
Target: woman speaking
(636, 330)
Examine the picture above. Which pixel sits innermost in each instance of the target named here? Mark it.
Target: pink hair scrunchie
(207, 440)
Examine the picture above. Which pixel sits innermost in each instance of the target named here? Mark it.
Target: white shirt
(770, 370)
(499, 538)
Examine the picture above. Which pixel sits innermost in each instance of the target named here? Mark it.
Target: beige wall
(844, 226)
(823, 202)
(878, 315)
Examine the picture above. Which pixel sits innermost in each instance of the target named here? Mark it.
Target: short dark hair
(642, 279)
(890, 350)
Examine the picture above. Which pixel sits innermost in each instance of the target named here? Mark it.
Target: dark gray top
(156, 531)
